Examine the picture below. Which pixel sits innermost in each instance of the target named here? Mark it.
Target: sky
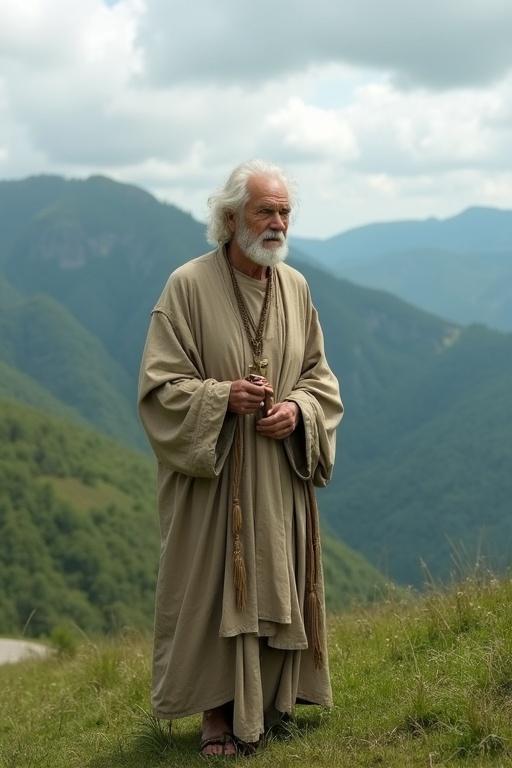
(377, 111)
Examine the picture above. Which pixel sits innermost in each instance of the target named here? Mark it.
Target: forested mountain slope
(413, 384)
(102, 249)
(42, 340)
(78, 535)
(79, 531)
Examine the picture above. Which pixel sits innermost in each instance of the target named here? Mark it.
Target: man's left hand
(281, 420)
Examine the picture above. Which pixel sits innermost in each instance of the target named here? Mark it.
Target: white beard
(253, 248)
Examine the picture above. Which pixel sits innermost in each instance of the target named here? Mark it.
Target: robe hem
(306, 698)
(251, 631)
(217, 702)
(298, 647)
(319, 701)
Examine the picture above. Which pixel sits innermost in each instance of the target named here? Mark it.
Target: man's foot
(217, 731)
(247, 748)
(279, 725)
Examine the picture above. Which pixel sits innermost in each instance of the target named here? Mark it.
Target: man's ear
(231, 221)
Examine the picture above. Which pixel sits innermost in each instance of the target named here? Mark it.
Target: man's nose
(277, 222)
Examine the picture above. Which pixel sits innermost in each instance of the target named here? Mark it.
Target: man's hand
(245, 397)
(281, 420)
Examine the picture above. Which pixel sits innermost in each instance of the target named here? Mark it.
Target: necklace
(254, 334)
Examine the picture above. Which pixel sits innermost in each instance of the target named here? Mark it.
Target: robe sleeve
(183, 413)
(311, 447)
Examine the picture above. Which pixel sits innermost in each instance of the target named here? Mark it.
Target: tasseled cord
(239, 572)
(312, 607)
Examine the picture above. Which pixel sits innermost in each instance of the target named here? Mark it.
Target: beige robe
(206, 651)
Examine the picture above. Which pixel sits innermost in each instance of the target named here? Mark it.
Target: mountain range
(459, 268)
(424, 448)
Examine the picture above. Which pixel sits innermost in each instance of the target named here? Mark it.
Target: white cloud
(355, 105)
(417, 130)
(312, 132)
(439, 44)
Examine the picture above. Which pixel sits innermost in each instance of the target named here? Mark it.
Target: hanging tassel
(237, 517)
(239, 575)
(239, 572)
(312, 607)
(313, 626)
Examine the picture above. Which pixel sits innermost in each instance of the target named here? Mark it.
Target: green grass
(417, 682)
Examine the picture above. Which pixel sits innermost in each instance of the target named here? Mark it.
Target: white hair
(233, 196)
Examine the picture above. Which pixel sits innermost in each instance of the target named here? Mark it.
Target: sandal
(247, 748)
(222, 740)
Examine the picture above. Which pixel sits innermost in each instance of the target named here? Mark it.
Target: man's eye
(270, 212)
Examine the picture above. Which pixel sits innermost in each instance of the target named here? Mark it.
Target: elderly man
(240, 408)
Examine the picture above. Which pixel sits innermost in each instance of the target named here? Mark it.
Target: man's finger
(276, 434)
(276, 413)
(257, 390)
(271, 429)
(269, 421)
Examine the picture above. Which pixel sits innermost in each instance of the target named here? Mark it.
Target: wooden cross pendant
(259, 367)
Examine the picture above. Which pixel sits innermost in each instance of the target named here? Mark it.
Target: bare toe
(212, 749)
(218, 745)
(229, 748)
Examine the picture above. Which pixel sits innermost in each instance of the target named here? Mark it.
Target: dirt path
(17, 650)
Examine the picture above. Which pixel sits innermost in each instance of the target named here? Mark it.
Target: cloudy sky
(379, 110)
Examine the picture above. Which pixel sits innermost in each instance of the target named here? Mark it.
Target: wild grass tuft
(65, 640)
(479, 733)
(152, 738)
(103, 670)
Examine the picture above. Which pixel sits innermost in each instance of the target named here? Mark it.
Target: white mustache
(274, 236)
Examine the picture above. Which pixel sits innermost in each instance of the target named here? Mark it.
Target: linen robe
(206, 651)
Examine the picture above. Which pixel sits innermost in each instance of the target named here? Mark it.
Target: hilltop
(416, 683)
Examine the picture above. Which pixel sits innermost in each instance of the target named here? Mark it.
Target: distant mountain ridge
(459, 268)
(474, 229)
(409, 379)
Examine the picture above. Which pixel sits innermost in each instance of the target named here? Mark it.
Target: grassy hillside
(349, 577)
(416, 683)
(79, 533)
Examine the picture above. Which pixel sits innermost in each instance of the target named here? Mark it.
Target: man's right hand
(245, 397)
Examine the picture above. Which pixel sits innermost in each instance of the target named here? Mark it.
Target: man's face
(260, 229)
